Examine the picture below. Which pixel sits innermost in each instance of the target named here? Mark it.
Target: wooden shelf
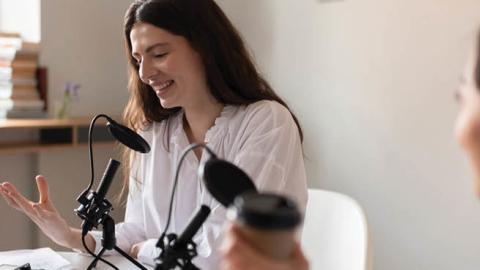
(43, 123)
(21, 148)
(54, 134)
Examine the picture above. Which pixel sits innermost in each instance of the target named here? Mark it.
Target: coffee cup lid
(266, 211)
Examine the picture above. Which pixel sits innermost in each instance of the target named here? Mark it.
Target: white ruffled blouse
(261, 138)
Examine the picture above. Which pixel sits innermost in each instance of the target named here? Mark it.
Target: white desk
(80, 262)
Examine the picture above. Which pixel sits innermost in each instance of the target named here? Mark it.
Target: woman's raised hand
(43, 212)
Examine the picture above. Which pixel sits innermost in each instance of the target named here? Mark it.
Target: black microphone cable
(90, 153)
(177, 173)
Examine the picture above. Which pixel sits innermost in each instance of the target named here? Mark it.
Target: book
(11, 39)
(28, 50)
(19, 63)
(20, 81)
(12, 91)
(17, 72)
(7, 52)
(10, 104)
(9, 34)
(20, 78)
(42, 86)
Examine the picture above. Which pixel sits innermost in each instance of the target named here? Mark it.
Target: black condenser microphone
(179, 252)
(100, 207)
(193, 226)
(224, 180)
(107, 179)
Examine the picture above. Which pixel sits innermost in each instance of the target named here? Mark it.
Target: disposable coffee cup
(268, 221)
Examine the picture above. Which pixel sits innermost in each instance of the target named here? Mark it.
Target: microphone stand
(171, 257)
(109, 242)
(94, 209)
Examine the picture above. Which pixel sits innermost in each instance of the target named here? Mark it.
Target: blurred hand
(42, 213)
(238, 254)
(135, 249)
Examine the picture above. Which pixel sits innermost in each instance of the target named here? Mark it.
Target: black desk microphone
(94, 208)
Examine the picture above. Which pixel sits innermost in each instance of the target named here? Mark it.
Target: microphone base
(108, 243)
(93, 264)
(172, 257)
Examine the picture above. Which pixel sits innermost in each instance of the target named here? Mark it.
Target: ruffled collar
(219, 128)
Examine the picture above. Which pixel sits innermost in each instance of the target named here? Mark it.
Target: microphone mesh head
(128, 137)
(226, 181)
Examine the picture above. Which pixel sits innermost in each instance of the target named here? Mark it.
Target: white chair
(335, 234)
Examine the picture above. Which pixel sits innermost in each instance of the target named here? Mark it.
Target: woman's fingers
(10, 201)
(42, 213)
(44, 194)
(21, 201)
(13, 203)
(39, 211)
(42, 189)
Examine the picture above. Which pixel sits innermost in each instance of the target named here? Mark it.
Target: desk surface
(80, 261)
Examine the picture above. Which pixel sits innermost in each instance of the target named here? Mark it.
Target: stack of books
(19, 84)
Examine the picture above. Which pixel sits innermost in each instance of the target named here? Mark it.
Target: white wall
(372, 82)
(82, 41)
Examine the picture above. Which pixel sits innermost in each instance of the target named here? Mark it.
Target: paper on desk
(43, 258)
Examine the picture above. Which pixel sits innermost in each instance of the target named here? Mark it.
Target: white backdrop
(372, 82)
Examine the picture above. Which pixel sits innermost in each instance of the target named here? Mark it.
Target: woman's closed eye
(137, 63)
(160, 55)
